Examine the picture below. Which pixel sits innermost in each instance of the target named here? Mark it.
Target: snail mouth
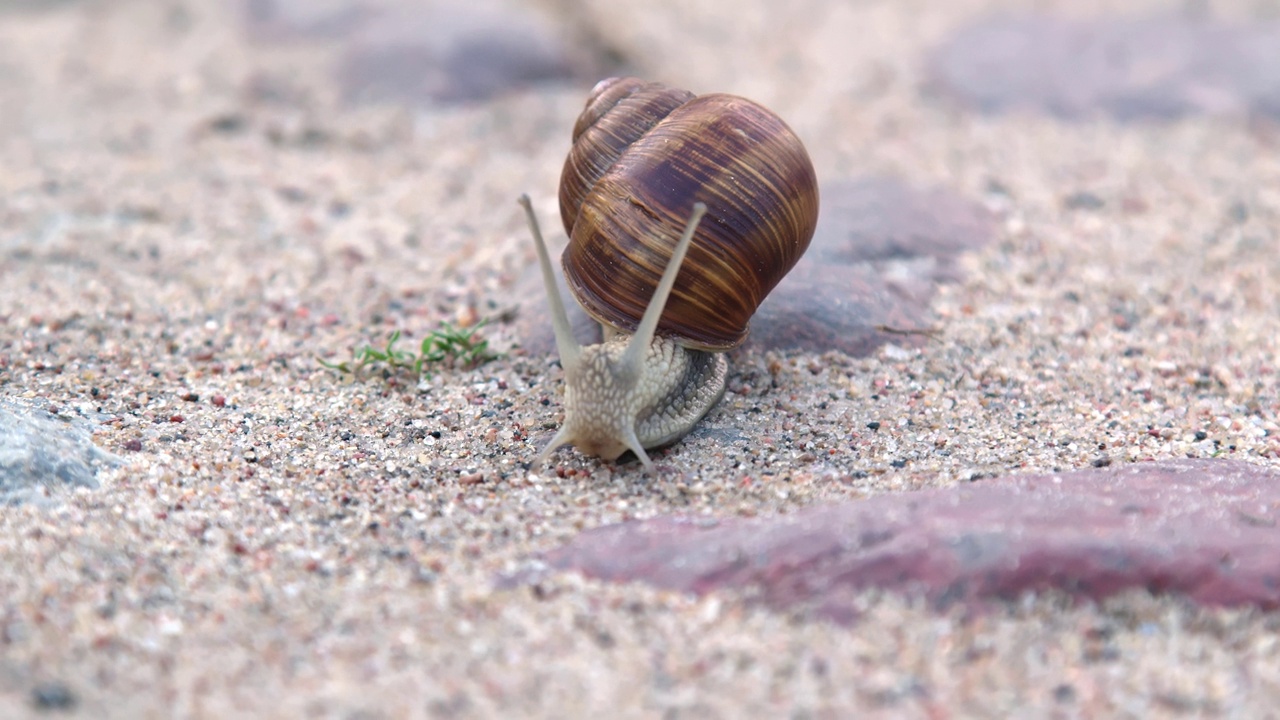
(603, 448)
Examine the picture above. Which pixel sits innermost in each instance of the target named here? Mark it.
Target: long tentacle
(565, 344)
(633, 356)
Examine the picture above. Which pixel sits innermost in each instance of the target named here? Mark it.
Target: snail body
(647, 162)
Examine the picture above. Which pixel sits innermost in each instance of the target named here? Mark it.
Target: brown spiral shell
(643, 154)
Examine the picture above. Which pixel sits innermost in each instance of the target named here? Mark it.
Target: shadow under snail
(682, 212)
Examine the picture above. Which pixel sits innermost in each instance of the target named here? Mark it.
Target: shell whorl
(643, 154)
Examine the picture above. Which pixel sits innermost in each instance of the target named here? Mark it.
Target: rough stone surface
(1206, 529)
(880, 249)
(40, 452)
(1152, 67)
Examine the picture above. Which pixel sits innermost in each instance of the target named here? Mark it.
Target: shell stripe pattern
(633, 107)
(761, 193)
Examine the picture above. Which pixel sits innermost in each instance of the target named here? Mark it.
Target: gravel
(182, 240)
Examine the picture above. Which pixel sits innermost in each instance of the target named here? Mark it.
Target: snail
(683, 213)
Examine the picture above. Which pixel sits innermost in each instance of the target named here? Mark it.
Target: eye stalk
(617, 392)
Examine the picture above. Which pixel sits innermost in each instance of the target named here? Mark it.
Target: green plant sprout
(449, 343)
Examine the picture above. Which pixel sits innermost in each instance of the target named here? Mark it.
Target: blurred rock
(450, 52)
(275, 20)
(880, 249)
(41, 451)
(1154, 67)
(399, 51)
(1205, 529)
(52, 697)
(34, 5)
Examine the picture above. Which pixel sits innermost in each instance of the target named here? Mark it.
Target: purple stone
(1204, 529)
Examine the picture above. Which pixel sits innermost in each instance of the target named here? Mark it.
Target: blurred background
(374, 147)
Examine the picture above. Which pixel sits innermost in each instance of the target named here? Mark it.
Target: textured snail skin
(674, 390)
(630, 392)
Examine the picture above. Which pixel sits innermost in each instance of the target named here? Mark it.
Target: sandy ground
(190, 217)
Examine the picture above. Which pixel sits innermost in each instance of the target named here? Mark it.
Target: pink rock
(1206, 529)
